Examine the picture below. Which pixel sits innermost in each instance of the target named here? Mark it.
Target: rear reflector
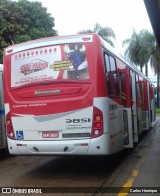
(21, 144)
(9, 51)
(84, 144)
(86, 38)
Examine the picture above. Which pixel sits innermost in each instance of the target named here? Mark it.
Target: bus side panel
(112, 139)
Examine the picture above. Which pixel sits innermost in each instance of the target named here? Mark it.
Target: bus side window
(123, 87)
(138, 95)
(107, 63)
(111, 76)
(107, 68)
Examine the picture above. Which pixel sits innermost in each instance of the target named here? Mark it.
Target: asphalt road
(49, 171)
(80, 175)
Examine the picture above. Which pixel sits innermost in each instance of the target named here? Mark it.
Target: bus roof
(48, 41)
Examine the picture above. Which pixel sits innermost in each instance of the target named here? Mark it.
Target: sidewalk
(140, 171)
(149, 171)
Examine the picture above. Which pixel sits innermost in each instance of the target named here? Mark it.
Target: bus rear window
(67, 61)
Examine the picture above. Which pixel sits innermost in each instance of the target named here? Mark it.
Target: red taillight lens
(9, 127)
(97, 126)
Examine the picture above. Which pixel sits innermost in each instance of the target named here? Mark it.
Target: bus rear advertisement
(73, 95)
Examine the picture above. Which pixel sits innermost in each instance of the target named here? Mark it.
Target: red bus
(3, 139)
(73, 95)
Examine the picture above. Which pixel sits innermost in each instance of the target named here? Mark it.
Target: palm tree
(85, 31)
(139, 48)
(105, 32)
(148, 44)
(155, 64)
(132, 51)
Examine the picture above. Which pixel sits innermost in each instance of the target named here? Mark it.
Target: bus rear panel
(49, 99)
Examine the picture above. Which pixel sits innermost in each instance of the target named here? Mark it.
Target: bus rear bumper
(48, 147)
(96, 146)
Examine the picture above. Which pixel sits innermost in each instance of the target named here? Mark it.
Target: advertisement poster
(49, 63)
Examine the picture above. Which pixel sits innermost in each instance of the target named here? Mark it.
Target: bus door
(126, 112)
(152, 103)
(139, 102)
(2, 124)
(134, 105)
(143, 96)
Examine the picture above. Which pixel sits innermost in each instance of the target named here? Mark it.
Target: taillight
(97, 125)
(9, 127)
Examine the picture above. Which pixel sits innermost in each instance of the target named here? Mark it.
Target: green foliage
(157, 111)
(105, 32)
(22, 38)
(12, 20)
(85, 31)
(36, 16)
(22, 21)
(139, 48)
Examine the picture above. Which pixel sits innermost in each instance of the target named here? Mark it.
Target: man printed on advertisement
(77, 56)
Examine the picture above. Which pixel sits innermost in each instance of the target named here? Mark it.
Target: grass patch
(158, 111)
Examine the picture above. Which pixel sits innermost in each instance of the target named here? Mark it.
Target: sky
(122, 16)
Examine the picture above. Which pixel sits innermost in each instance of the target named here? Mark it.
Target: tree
(22, 21)
(12, 20)
(155, 63)
(85, 31)
(37, 18)
(139, 48)
(148, 43)
(105, 32)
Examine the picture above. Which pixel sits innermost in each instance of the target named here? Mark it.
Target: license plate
(50, 134)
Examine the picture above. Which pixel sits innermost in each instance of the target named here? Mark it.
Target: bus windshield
(57, 62)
